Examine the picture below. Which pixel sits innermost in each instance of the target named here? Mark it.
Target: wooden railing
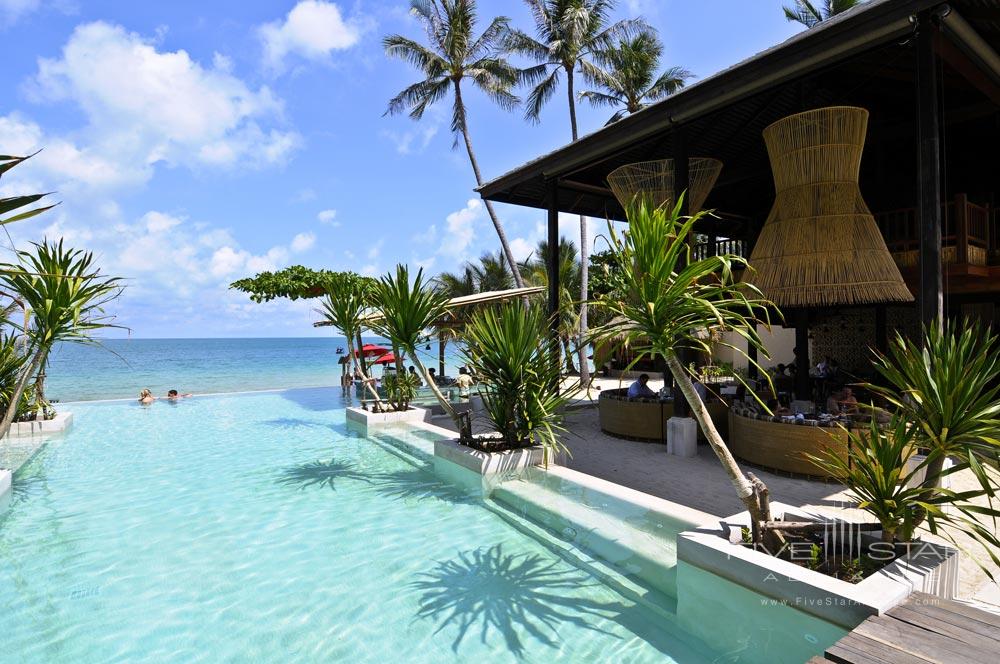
(733, 247)
(966, 234)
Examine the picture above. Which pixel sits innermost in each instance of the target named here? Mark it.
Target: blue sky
(192, 143)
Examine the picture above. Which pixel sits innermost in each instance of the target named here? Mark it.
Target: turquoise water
(120, 368)
(256, 527)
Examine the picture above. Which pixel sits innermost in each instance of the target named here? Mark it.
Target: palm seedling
(668, 303)
(66, 295)
(404, 310)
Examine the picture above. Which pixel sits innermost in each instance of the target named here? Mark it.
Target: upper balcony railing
(968, 235)
(733, 247)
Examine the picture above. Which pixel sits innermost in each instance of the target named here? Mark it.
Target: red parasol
(386, 359)
(372, 350)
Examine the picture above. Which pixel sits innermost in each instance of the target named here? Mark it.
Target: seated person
(640, 388)
(413, 373)
(842, 402)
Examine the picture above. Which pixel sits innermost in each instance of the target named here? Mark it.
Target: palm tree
(66, 296)
(406, 309)
(570, 33)
(669, 301)
(346, 305)
(569, 283)
(453, 56)
(807, 13)
(627, 75)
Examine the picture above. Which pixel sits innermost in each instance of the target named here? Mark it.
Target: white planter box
(487, 463)
(928, 567)
(60, 422)
(364, 420)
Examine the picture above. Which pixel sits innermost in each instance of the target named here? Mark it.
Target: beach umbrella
(388, 358)
(373, 350)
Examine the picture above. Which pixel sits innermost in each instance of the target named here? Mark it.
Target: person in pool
(146, 397)
(173, 395)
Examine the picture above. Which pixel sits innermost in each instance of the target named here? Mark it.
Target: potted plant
(518, 365)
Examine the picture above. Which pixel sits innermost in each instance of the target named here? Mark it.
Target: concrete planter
(363, 420)
(928, 567)
(60, 422)
(487, 463)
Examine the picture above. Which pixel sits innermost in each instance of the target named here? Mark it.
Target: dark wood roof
(863, 57)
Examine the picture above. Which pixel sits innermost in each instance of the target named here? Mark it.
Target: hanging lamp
(820, 246)
(655, 179)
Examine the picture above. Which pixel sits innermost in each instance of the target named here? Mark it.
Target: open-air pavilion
(928, 74)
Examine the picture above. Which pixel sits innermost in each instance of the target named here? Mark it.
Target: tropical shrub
(668, 302)
(518, 367)
(404, 310)
(400, 387)
(944, 389)
(65, 294)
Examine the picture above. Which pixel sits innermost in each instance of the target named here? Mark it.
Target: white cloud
(375, 249)
(404, 141)
(157, 222)
(459, 230)
(522, 248)
(313, 29)
(146, 106)
(328, 217)
(303, 242)
(12, 11)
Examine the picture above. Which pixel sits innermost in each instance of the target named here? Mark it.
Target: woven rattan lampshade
(820, 245)
(656, 180)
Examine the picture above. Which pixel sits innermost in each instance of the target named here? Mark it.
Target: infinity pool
(255, 527)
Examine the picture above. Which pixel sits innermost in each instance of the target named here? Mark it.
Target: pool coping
(932, 568)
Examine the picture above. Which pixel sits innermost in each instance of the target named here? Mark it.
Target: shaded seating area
(646, 419)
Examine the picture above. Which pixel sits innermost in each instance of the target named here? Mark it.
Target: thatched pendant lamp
(820, 245)
(655, 179)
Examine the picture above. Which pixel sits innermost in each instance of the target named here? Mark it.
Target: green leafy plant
(517, 363)
(944, 390)
(669, 301)
(66, 295)
(347, 305)
(405, 309)
(12, 203)
(401, 388)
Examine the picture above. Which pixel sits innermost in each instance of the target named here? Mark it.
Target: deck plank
(922, 630)
(932, 646)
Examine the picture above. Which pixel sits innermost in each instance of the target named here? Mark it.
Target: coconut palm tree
(669, 301)
(569, 283)
(66, 295)
(455, 55)
(569, 34)
(626, 74)
(809, 13)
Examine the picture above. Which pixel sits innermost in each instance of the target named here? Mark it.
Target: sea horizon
(119, 368)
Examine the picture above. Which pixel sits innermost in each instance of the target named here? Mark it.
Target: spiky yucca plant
(518, 367)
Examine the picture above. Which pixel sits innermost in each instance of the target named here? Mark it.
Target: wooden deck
(923, 629)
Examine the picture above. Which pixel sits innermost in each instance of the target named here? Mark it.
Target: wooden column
(931, 297)
(803, 386)
(552, 260)
(682, 182)
(441, 343)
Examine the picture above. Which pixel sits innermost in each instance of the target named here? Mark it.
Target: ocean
(120, 368)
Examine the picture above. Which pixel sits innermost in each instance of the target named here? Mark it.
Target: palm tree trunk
(22, 384)
(744, 488)
(508, 254)
(569, 355)
(359, 367)
(584, 253)
(445, 404)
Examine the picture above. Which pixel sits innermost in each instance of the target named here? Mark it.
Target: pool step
(644, 556)
(625, 585)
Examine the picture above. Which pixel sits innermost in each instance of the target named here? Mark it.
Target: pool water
(256, 527)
